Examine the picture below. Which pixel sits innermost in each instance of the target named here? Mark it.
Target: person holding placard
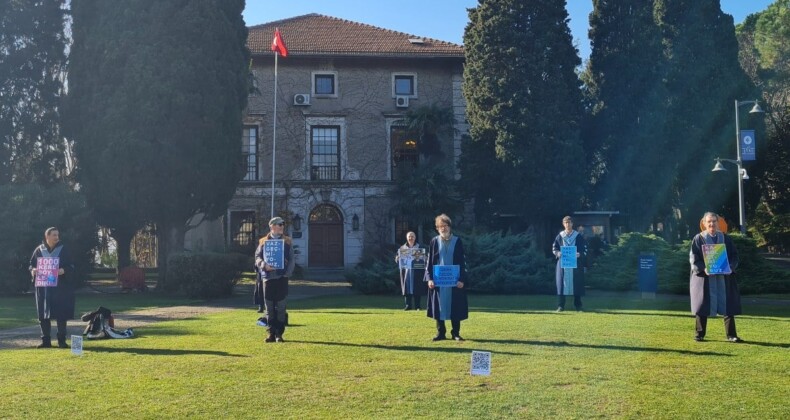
(446, 277)
(570, 249)
(274, 259)
(411, 264)
(712, 285)
(52, 269)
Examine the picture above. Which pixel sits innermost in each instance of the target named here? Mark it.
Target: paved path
(26, 337)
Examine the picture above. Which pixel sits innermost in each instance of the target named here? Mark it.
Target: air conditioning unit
(302, 99)
(402, 101)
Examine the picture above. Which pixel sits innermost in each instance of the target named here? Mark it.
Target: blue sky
(439, 19)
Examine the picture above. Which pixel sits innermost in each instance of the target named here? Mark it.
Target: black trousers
(442, 329)
(577, 301)
(729, 326)
(407, 299)
(46, 329)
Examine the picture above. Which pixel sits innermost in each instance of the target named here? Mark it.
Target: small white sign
(76, 345)
(481, 363)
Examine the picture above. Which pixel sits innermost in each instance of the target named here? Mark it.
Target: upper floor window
(325, 84)
(404, 84)
(404, 150)
(249, 145)
(324, 152)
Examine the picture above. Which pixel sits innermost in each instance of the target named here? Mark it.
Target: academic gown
(55, 302)
(412, 280)
(454, 298)
(577, 284)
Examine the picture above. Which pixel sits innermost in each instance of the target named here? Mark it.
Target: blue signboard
(568, 257)
(648, 273)
(446, 275)
(274, 253)
(748, 145)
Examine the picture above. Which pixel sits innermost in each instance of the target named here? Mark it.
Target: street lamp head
(756, 108)
(744, 175)
(718, 167)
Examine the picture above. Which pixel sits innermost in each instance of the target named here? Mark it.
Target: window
(404, 150)
(242, 231)
(402, 227)
(249, 147)
(324, 152)
(404, 84)
(325, 84)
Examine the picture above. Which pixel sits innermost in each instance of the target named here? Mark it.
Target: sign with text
(47, 271)
(716, 261)
(411, 258)
(274, 253)
(446, 275)
(748, 145)
(568, 257)
(648, 273)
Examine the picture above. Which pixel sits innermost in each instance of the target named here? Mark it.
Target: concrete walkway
(27, 337)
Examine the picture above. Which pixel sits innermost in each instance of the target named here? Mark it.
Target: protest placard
(446, 275)
(568, 257)
(274, 253)
(716, 261)
(47, 271)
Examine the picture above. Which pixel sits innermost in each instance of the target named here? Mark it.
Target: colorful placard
(47, 271)
(568, 257)
(446, 275)
(411, 258)
(716, 261)
(274, 253)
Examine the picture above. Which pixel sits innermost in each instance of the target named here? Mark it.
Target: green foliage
(772, 230)
(32, 66)
(376, 274)
(524, 107)
(27, 211)
(618, 268)
(205, 274)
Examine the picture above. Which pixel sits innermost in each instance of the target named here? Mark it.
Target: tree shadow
(763, 344)
(598, 311)
(604, 347)
(408, 348)
(162, 352)
(339, 312)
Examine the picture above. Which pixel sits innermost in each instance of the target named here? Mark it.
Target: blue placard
(446, 275)
(274, 253)
(567, 257)
(748, 145)
(648, 273)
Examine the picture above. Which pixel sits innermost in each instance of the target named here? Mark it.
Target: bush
(27, 211)
(205, 274)
(618, 268)
(495, 263)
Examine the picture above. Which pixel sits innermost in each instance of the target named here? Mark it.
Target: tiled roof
(316, 34)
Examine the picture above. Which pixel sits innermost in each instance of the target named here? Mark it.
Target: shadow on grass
(162, 352)
(407, 348)
(340, 312)
(603, 347)
(763, 344)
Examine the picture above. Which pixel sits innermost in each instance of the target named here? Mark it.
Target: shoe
(559, 309)
(279, 339)
(260, 309)
(44, 345)
(698, 338)
(439, 337)
(270, 339)
(458, 338)
(734, 339)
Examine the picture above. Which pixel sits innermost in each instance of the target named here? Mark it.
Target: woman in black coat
(54, 301)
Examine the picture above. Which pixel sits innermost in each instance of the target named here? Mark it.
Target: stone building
(342, 94)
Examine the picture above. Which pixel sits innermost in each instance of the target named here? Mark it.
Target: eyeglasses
(442, 226)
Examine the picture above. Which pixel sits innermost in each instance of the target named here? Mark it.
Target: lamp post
(742, 175)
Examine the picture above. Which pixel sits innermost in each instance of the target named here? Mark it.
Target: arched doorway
(325, 244)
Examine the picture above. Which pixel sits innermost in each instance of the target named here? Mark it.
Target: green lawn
(362, 357)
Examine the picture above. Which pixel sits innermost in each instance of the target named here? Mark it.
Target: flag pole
(274, 133)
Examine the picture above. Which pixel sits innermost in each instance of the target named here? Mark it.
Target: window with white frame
(324, 152)
(404, 84)
(325, 84)
(249, 145)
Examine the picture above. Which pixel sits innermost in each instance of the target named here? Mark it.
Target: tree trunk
(123, 240)
(170, 240)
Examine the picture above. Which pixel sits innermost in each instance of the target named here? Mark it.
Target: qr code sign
(481, 363)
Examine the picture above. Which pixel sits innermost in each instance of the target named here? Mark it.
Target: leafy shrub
(617, 269)
(495, 263)
(205, 274)
(28, 210)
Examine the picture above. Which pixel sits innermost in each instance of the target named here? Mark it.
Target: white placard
(481, 363)
(76, 345)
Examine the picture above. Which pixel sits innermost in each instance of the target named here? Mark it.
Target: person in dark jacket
(275, 280)
(570, 281)
(54, 300)
(713, 294)
(446, 302)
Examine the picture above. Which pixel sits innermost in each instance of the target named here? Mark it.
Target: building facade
(341, 97)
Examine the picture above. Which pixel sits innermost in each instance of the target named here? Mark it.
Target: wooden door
(325, 244)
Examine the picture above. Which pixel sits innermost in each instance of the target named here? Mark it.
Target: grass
(362, 357)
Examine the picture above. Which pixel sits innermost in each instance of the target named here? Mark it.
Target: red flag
(278, 45)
